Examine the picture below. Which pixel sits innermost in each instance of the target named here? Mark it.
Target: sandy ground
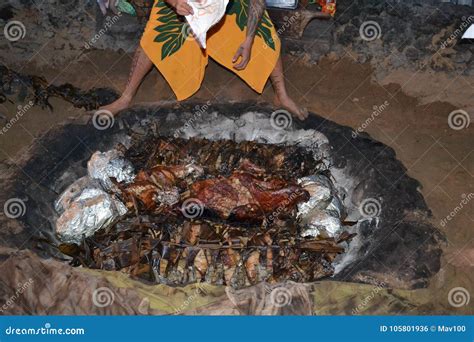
(415, 124)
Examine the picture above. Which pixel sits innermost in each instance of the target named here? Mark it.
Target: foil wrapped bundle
(90, 211)
(89, 204)
(72, 192)
(321, 215)
(106, 165)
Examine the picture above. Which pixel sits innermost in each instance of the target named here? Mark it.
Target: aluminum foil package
(92, 210)
(320, 189)
(320, 222)
(72, 192)
(105, 165)
(336, 207)
(322, 213)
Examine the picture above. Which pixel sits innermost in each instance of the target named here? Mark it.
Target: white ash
(347, 184)
(254, 126)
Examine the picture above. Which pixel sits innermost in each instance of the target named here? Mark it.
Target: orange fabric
(182, 62)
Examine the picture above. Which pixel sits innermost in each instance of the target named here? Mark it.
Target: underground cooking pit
(231, 195)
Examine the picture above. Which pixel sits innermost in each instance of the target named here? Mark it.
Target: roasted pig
(244, 197)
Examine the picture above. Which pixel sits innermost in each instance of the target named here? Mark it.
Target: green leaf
(171, 30)
(126, 7)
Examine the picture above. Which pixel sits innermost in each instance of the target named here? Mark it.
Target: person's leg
(282, 99)
(141, 65)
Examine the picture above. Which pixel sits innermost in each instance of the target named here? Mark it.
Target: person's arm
(256, 9)
(180, 6)
(255, 14)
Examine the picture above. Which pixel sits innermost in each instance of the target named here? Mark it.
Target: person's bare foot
(287, 103)
(117, 106)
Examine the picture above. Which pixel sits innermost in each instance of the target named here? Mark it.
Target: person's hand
(243, 52)
(181, 7)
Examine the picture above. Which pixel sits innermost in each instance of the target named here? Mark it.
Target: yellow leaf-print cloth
(177, 55)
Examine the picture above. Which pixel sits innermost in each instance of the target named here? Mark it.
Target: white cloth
(207, 13)
(469, 34)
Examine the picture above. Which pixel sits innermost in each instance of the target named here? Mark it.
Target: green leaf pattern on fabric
(172, 29)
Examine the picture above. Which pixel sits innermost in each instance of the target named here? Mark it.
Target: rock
(411, 31)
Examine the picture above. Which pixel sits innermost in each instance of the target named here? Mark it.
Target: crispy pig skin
(245, 197)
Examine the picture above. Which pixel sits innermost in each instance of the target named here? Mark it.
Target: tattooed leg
(141, 65)
(255, 13)
(282, 99)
